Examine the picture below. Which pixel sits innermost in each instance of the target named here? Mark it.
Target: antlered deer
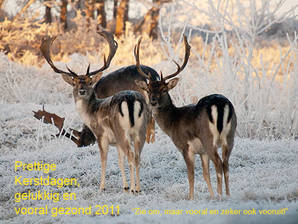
(121, 79)
(119, 120)
(194, 129)
(116, 81)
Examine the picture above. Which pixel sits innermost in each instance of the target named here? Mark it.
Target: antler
(137, 57)
(45, 50)
(179, 68)
(113, 45)
(48, 41)
(186, 57)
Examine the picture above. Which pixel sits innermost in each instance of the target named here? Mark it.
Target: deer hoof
(190, 197)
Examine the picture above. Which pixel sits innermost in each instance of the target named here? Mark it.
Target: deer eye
(164, 90)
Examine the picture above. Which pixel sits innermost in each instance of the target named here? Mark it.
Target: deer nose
(82, 92)
(153, 101)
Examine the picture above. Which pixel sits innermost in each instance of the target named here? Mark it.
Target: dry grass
(20, 40)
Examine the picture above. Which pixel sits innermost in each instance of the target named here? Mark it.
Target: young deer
(194, 129)
(119, 120)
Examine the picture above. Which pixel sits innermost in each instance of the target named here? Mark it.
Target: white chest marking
(82, 110)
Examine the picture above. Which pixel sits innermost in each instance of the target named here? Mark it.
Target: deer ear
(96, 78)
(68, 79)
(142, 85)
(172, 83)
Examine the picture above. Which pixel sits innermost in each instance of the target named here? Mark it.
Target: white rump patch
(226, 126)
(137, 109)
(124, 120)
(213, 126)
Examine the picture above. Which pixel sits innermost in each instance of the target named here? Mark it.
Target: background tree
(63, 14)
(26, 6)
(3, 14)
(89, 10)
(101, 13)
(115, 9)
(48, 14)
(149, 23)
(1, 3)
(122, 17)
(98, 6)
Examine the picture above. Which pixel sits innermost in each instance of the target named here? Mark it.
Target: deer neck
(87, 107)
(164, 114)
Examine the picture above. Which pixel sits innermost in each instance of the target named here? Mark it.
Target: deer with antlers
(119, 120)
(194, 129)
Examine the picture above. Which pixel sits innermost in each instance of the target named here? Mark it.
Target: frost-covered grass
(263, 176)
(263, 173)
(234, 58)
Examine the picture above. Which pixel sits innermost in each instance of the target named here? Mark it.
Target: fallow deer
(116, 81)
(119, 80)
(119, 120)
(196, 128)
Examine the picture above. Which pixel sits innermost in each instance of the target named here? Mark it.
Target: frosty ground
(263, 173)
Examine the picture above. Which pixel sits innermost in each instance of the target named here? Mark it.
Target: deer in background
(116, 81)
(124, 79)
(196, 128)
(119, 120)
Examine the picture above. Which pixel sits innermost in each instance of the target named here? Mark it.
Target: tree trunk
(48, 14)
(101, 13)
(63, 14)
(79, 5)
(1, 3)
(122, 17)
(115, 9)
(23, 9)
(149, 23)
(89, 5)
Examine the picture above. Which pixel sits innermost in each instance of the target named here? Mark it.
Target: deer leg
(103, 149)
(189, 160)
(121, 165)
(131, 167)
(138, 148)
(213, 155)
(131, 162)
(150, 131)
(205, 164)
(226, 152)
